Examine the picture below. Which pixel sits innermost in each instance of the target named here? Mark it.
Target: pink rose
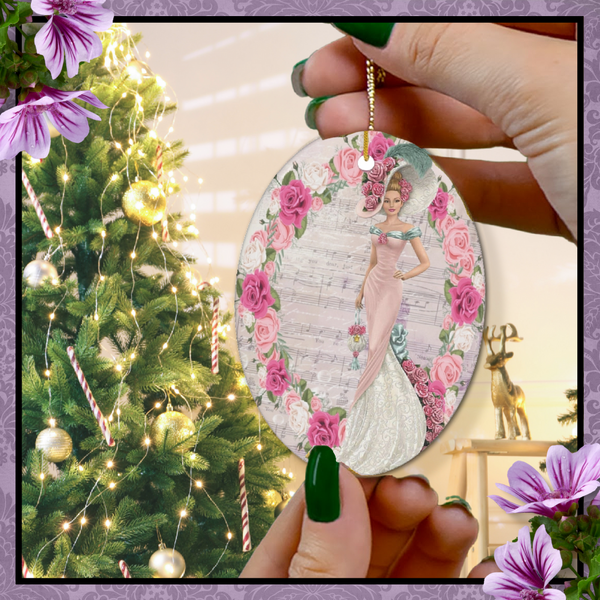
(439, 207)
(422, 389)
(316, 404)
(377, 173)
(445, 224)
(262, 377)
(389, 163)
(408, 366)
(437, 429)
(429, 400)
(265, 331)
(457, 242)
(439, 402)
(447, 322)
(330, 173)
(263, 359)
(323, 429)
(256, 293)
(346, 163)
(429, 437)
(284, 235)
(291, 396)
(465, 302)
(269, 268)
(429, 423)
(296, 378)
(437, 415)
(447, 369)
(317, 203)
(411, 377)
(371, 202)
(275, 194)
(378, 146)
(378, 189)
(428, 410)
(241, 310)
(261, 236)
(277, 377)
(295, 201)
(342, 431)
(437, 387)
(367, 188)
(467, 262)
(421, 375)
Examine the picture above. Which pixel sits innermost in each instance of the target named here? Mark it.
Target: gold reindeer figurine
(506, 397)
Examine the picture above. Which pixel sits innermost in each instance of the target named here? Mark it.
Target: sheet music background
(320, 277)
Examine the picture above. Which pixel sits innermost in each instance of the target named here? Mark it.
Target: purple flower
(295, 201)
(323, 429)
(526, 570)
(24, 127)
(572, 475)
(71, 34)
(256, 293)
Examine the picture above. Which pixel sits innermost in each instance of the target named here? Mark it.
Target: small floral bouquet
(356, 341)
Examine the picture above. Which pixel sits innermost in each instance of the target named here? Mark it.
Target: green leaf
(430, 220)
(277, 304)
(251, 328)
(300, 232)
(583, 585)
(271, 254)
(458, 352)
(271, 396)
(307, 396)
(286, 360)
(354, 143)
(3, 37)
(326, 196)
(538, 521)
(302, 384)
(287, 178)
(572, 593)
(443, 186)
(595, 566)
(238, 287)
(336, 410)
(447, 286)
(444, 336)
(268, 354)
(13, 16)
(479, 314)
(332, 167)
(476, 270)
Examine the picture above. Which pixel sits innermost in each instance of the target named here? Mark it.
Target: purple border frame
(589, 269)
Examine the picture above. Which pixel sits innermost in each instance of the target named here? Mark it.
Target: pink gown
(386, 425)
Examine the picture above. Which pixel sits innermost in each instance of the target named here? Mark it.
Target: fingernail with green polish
(376, 34)
(297, 78)
(421, 477)
(311, 109)
(453, 500)
(322, 485)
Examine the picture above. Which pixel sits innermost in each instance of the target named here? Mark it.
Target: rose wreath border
(292, 205)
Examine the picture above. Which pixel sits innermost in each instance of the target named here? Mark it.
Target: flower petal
(560, 467)
(526, 482)
(546, 559)
(62, 96)
(502, 586)
(80, 44)
(504, 504)
(93, 16)
(551, 594)
(42, 7)
(24, 132)
(49, 43)
(587, 465)
(71, 120)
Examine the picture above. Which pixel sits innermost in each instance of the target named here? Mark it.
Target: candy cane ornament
(102, 422)
(214, 346)
(159, 164)
(38, 207)
(246, 541)
(124, 569)
(165, 231)
(26, 573)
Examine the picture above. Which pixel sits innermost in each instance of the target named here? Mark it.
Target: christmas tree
(567, 418)
(111, 304)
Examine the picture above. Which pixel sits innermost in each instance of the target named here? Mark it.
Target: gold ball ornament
(55, 443)
(279, 508)
(144, 202)
(38, 272)
(167, 563)
(172, 427)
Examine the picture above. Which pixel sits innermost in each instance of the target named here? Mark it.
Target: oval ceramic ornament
(377, 376)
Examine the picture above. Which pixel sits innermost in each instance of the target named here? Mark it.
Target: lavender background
(590, 9)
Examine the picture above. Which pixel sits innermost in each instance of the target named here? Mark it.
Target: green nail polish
(452, 500)
(376, 34)
(311, 109)
(297, 78)
(322, 485)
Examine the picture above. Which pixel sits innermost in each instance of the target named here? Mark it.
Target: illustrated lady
(386, 425)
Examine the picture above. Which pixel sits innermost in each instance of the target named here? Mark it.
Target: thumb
(335, 539)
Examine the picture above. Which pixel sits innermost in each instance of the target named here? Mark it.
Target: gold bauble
(279, 508)
(144, 202)
(167, 563)
(55, 443)
(38, 272)
(173, 427)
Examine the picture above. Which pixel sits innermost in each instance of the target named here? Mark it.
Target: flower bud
(568, 525)
(593, 511)
(567, 558)
(30, 45)
(573, 509)
(27, 78)
(583, 523)
(558, 515)
(4, 91)
(12, 81)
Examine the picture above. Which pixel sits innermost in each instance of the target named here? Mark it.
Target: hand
(467, 85)
(359, 298)
(400, 275)
(388, 527)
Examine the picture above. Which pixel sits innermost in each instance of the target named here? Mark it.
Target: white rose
(262, 377)
(315, 177)
(450, 398)
(450, 206)
(298, 417)
(463, 338)
(274, 204)
(248, 319)
(478, 282)
(254, 255)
